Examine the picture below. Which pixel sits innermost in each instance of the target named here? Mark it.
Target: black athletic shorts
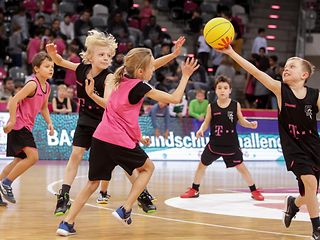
(17, 140)
(83, 136)
(230, 159)
(302, 169)
(104, 157)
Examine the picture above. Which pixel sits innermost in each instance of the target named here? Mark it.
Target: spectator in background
(145, 13)
(117, 61)
(20, 19)
(38, 25)
(61, 104)
(237, 43)
(118, 27)
(216, 58)
(33, 48)
(16, 45)
(179, 109)
(160, 109)
(203, 51)
(82, 25)
(152, 34)
(70, 77)
(67, 27)
(7, 89)
(259, 42)
(70, 95)
(198, 109)
(226, 69)
(17, 87)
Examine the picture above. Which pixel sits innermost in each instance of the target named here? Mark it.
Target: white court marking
(50, 188)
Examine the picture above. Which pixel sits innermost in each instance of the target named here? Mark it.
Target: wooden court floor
(32, 216)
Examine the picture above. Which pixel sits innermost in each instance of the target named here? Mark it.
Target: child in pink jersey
(23, 109)
(115, 141)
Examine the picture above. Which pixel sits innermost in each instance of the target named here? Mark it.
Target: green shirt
(197, 109)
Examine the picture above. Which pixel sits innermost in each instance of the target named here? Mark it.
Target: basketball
(218, 33)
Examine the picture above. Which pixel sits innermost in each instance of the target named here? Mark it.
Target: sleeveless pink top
(119, 123)
(29, 107)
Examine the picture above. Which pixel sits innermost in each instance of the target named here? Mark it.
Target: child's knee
(310, 182)
(93, 185)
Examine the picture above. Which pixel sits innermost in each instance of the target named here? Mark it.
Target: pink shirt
(29, 107)
(33, 48)
(119, 123)
(71, 78)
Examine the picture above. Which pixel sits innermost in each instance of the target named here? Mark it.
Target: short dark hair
(260, 30)
(39, 58)
(222, 78)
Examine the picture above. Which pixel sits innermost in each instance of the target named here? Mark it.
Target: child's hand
(201, 118)
(189, 66)
(89, 86)
(254, 124)
(8, 127)
(51, 129)
(199, 133)
(51, 49)
(145, 141)
(177, 46)
(227, 50)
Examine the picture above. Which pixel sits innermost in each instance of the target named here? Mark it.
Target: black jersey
(298, 127)
(90, 113)
(63, 104)
(224, 136)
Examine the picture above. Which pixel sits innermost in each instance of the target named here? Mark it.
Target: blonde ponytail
(118, 75)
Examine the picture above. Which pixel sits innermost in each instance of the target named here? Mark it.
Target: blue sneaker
(65, 229)
(121, 215)
(7, 192)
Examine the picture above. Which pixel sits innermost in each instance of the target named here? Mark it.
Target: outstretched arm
(244, 122)
(265, 79)
(57, 59)
(161, 61)
(188, 68)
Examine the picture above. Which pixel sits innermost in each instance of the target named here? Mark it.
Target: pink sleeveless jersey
(29, 107)
(119, 123)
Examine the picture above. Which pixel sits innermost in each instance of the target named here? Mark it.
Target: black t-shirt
(90, 113)
(63, 104)
(138, 92)
(224, 136)
(298, 127)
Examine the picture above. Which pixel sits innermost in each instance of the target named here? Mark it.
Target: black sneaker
(7, 192)
(290, 211)
(152, 199)
(316, 234)
(145, 203)
(63, 204)
(2, 203)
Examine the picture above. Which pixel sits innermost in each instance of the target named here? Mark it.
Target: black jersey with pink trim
(224, 136)
(298, 127)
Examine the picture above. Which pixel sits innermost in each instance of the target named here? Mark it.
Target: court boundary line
(51, 190)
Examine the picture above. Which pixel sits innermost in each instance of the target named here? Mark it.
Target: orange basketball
(218, 33)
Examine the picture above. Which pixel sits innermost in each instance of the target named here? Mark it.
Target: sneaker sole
(102, 202)
(115, 214)
(191, 197)
(62, 232)
(3, 204)
(149, 211)
(58, 214)
(284, 211)
(5, 196)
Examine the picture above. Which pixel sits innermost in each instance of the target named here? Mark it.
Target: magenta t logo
(293, 130)
(218, 130)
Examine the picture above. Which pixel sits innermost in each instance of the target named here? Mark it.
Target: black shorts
(83, 136)
(230, 159)
(303, 169)
(17, 140)
(104, 157)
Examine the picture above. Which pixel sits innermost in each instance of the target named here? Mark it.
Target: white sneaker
(103, 198)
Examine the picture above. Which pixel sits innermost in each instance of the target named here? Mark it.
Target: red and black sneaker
(256, 195)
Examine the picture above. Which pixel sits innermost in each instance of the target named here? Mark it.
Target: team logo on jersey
(308, 111)
(230, 115)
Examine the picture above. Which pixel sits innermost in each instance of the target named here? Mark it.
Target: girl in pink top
(115, 141)
(23, 109)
